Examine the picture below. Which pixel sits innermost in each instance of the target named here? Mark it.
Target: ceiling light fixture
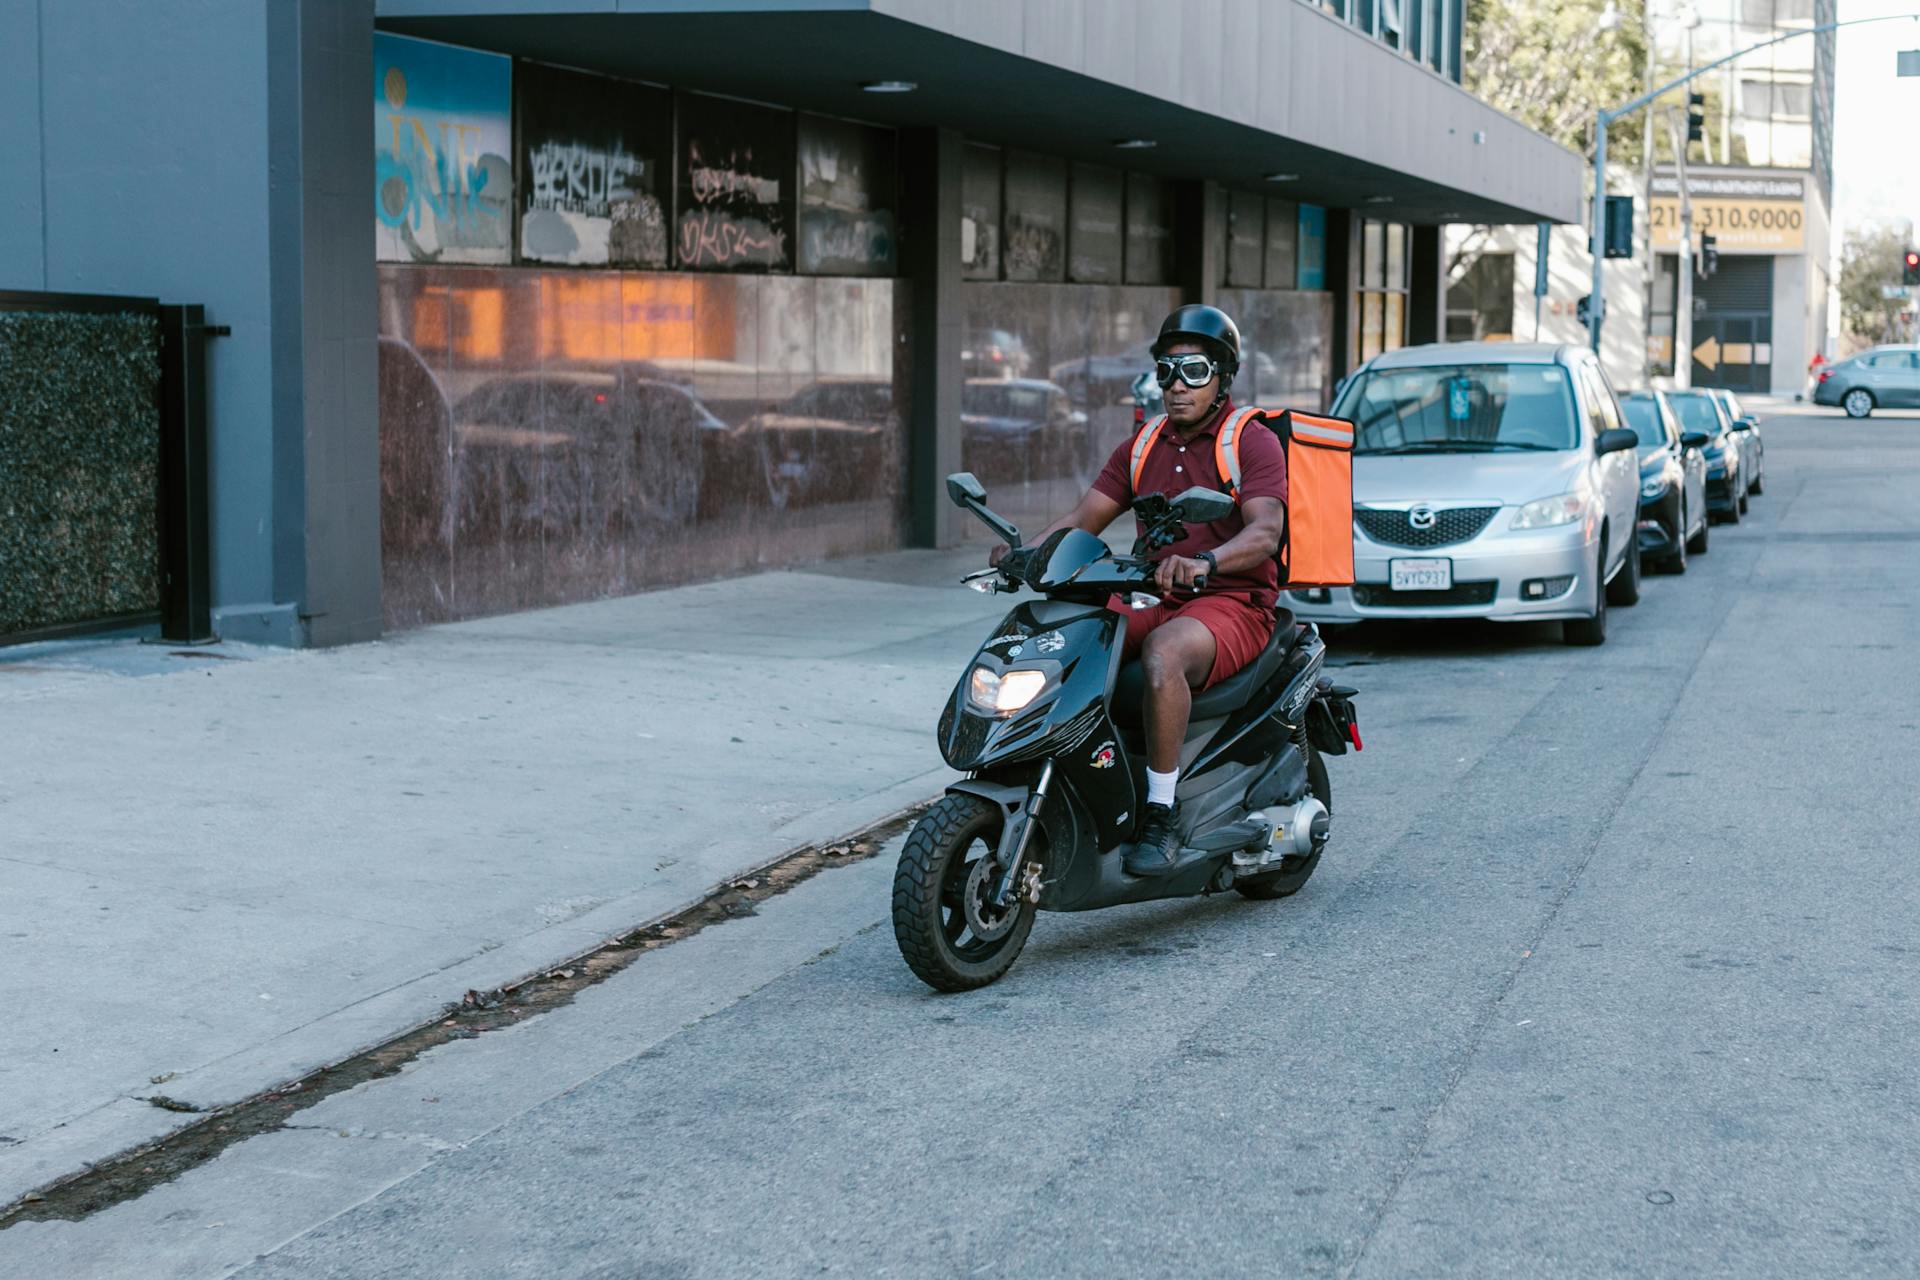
(889, 86)
(1283, 177)
(1133, 144)
(1379, 199)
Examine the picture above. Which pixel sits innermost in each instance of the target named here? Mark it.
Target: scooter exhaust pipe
(1293, 830)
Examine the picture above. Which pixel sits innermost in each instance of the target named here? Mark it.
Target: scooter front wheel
(949, 932)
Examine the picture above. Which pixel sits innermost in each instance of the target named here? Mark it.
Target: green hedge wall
(79, 467)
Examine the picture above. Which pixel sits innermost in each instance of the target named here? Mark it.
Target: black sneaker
(1156, 849)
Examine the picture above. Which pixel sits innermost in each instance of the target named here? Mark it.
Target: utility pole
(1683, 308)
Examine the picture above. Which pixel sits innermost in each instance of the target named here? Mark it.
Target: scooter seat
(1222, 699)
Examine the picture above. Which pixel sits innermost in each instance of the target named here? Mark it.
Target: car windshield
(1696, 411)
(1643, 415)
(1461, 408)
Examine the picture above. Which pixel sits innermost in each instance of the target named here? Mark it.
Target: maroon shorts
(1240, 630)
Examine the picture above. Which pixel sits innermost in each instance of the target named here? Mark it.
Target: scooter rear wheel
(943, 919)
(1294, 872)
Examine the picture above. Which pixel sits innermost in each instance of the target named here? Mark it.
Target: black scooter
(1046, 723)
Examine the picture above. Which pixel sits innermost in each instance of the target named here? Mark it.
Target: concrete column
(935, 320)
(1427, 294)
(326, 480)
(1199, 240)
(1343, 278)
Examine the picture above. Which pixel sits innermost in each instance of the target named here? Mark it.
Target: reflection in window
(980, 213)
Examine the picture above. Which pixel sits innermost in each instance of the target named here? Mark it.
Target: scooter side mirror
(1695, 440)
(1203, 505)
(961, 486)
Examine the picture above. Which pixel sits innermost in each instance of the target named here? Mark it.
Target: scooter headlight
(1545, 513)
(1000, 694)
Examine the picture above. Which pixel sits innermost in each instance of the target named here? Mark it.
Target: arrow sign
(1707, 354)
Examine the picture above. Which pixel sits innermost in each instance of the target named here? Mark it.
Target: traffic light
(1618, 241)
(1696, 117)
(1709, 254)
(1910, 268)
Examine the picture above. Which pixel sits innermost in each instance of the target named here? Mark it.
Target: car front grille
(1395, 528)
(1379, 597)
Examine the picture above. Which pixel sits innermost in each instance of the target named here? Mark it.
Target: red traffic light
(1913, 259)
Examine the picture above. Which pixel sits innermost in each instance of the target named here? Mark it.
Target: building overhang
(1246, 89)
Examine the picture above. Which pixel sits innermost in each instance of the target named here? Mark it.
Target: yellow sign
(1738, 224)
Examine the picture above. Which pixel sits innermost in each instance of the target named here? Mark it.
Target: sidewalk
(221, 868)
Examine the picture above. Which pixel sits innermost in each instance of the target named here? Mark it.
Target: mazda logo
(1420, 518)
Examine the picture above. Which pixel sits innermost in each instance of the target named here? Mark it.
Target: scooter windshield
(1075, 550)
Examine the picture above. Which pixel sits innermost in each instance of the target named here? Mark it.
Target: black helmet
(1211, 327)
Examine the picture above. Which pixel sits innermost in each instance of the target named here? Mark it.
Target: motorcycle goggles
(1194, 370)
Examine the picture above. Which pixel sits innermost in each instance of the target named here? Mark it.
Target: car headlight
(1001, 694)
(1655, 487)
(1545, 513)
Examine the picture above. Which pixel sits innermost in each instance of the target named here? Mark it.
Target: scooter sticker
(1012, 637)
(1103, 755)
(1015, 651)
(1050, 642)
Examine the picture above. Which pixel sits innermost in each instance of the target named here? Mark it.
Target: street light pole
(1597, 303)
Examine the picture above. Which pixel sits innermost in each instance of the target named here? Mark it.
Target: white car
(1490, 480)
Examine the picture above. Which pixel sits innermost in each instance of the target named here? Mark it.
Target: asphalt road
(1608, 971)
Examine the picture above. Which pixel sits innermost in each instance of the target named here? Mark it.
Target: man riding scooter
(1192, 640)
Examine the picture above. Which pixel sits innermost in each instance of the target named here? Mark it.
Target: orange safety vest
(1316, 547)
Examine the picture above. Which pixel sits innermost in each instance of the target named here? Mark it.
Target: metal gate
(1733, 326)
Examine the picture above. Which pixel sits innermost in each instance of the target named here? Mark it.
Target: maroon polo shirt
(1173, 465)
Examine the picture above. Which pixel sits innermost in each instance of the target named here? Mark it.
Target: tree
(1871, 258)
(1551, 66)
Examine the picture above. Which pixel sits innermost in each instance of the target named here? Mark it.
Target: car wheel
(1734, 486)
(1744, 491)
(1677, 562)
(1759, 485)
(1624, 590)
(1697, 544)
(1592, 629)
(1858, 402)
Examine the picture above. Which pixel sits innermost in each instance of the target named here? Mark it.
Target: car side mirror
(1742, 425)
(1615, 440)
(1144, 389)
(1695, 440)
(1203, 505)
(961, 486)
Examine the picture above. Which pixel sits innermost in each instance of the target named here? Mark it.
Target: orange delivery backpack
(1317, 548)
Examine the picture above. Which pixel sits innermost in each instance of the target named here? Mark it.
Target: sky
(1876, 158)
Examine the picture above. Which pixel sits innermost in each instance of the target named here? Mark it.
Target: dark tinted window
(1643, 415)
(1696, 411)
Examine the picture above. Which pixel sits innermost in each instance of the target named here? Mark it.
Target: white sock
(1160, 787)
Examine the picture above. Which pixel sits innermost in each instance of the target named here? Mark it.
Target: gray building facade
(628, 292)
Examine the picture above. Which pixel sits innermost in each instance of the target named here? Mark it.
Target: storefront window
(1149, 230)
(980, 213)
(1036, 217)
(1095, 238)
(1283, 240)
(1373, 256)
(1383, 282)
(1372, 325)
(1246, 239)
(846, 198)
(736, 200)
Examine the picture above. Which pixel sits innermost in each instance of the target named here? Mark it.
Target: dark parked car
(1882, 378)
(827, 441)
(1703, 411)
(1019, 429)
(1753, 449)
(1673, 481)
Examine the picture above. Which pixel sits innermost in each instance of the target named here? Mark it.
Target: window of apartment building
(1096, 225)
(980, 213)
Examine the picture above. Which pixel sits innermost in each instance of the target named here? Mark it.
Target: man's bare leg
(1177, 656)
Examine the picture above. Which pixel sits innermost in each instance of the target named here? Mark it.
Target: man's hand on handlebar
(1179, 571)
(995, 556)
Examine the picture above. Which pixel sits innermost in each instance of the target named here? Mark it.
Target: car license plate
(1420, 575)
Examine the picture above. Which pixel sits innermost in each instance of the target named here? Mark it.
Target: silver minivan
(1490, 480)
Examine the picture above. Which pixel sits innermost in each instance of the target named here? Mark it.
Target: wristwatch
(1213, 565)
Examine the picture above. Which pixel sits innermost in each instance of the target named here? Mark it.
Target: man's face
(1186, 405)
